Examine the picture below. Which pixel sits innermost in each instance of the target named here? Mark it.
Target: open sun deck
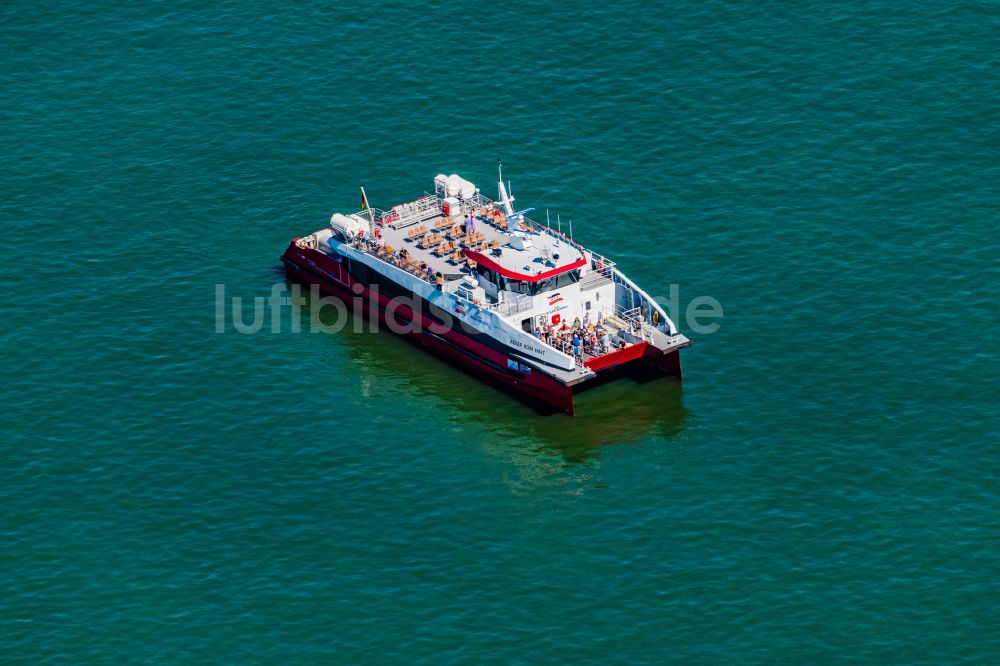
(451, 247)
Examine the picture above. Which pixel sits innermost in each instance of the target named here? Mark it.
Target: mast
(365, 206)
(505, 200)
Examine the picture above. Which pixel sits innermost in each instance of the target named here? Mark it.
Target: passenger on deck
(577, 343)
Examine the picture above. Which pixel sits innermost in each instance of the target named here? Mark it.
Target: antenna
(559, 220)
(547, 222)
(571, 229)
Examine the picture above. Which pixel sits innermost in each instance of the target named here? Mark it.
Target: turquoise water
(822, 487)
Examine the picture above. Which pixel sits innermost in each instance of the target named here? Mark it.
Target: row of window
(530, 288)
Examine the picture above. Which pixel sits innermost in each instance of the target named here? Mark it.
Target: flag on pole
(364, 200)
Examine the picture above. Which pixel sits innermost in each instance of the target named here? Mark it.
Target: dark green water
(822, 488)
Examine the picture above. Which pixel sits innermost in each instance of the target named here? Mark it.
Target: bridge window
(530, 288)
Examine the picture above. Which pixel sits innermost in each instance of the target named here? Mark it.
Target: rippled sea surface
(822, 487)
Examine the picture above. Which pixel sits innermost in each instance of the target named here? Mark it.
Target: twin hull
(475, 339)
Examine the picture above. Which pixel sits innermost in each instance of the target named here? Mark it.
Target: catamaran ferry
(494, 292)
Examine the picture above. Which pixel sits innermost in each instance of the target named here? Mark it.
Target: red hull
(460, 349)
(669, 362)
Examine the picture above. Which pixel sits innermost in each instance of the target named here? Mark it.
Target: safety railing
(635, 319)
(508, 308)
(411, 212)
(602, 265)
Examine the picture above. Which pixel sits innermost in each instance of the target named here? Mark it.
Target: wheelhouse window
(557, 281)
(530, 288)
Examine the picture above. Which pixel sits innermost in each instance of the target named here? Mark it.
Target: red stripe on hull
(469, 354)
(617, 357)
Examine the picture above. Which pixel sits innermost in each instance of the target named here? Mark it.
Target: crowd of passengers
(582, 337)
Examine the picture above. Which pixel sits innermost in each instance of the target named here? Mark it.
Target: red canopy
(485, 260)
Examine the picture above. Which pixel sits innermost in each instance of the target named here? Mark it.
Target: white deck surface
(538, 258)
